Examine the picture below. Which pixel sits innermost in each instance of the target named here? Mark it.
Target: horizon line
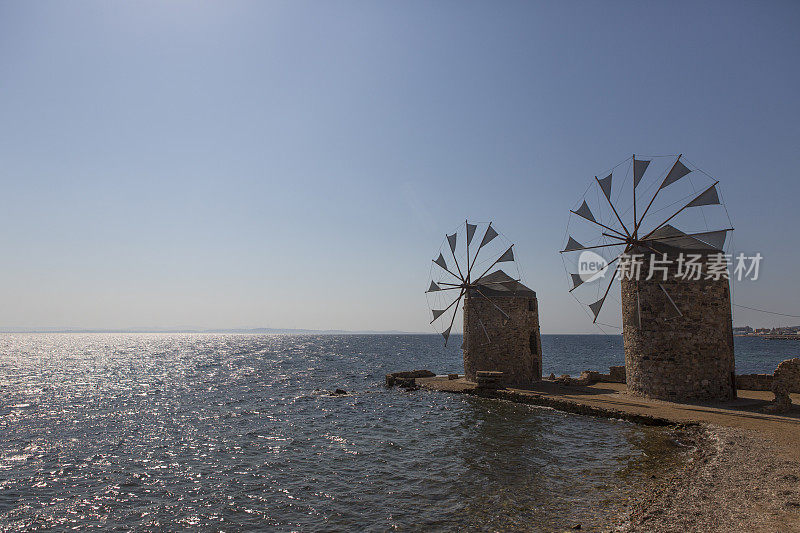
(262, 330)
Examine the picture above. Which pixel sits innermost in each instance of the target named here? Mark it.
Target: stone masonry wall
(754, 382)
(508, 348)
(678, 358)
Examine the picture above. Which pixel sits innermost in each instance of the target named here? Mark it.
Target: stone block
(785, 380)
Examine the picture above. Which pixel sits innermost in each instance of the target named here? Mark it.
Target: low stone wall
(487, 379)
(754, 382)
(406, 378)
(616, 374)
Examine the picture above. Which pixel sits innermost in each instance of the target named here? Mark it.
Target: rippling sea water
(238, 432)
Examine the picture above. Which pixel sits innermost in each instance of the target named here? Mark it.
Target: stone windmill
(659, 231)
(500, 314)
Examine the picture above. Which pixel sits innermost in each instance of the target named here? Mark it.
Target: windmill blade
(585, 212)
(707, 197)
(605, 185)
(677, 171)
(639, 168)
(452, 240)
(573, 245)
(508, 255)
(488, 236)
(440, 261)
(596, 276)
(434, 287)
(595, 307)
(674, 237)
(452, 319)
(446, 335)
(470, 232)
(437, 312)
(598, 305)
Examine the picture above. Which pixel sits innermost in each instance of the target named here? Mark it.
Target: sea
(222, 432)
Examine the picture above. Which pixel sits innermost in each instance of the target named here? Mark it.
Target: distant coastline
(252, 331)
(261, 331)
(769, 336)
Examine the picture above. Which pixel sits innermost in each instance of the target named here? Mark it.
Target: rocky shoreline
(731, 480)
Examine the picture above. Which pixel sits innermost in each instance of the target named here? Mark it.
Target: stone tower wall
(515, 345)
(678, 358)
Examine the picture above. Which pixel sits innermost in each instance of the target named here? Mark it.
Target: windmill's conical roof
(498, 283)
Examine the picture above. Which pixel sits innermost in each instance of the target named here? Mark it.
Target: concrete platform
(611, 400)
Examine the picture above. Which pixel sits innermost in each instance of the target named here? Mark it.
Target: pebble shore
(732, 480)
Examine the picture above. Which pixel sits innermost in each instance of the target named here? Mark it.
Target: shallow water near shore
(236, 432)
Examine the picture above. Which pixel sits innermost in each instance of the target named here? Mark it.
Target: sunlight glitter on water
(194, 431)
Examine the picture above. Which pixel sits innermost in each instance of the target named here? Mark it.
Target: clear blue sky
(242, 164)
